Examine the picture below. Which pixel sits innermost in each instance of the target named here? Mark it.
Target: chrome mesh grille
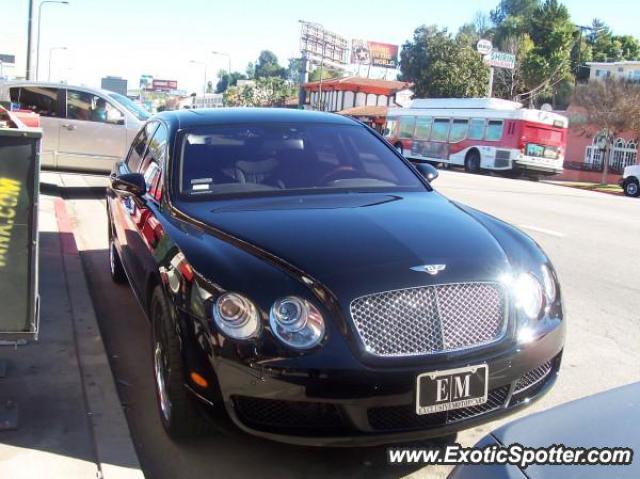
(430, 319)
(533, 377)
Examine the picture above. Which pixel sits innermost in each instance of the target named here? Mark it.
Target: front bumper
(545, 166)
(373, 406)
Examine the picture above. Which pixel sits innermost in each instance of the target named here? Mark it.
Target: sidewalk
(71, 422)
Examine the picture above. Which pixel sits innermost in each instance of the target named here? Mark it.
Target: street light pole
(62, 2)
(29, 35)
(224, 55)
(51, 50)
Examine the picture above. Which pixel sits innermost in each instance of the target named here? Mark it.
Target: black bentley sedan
(302, 276)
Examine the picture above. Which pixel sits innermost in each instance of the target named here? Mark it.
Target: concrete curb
(115, 454)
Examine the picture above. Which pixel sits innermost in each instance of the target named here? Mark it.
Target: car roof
(188, 118)
(44, 84)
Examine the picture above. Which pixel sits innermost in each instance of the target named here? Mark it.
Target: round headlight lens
(236, 316)
(549, 284)
(296, 322)
(528, 292)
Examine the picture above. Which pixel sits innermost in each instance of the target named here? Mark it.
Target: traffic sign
(500, 59)
(484, 46)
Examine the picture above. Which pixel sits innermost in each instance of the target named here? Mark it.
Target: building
(624, 70)
(585, 154)
(339, 94)
(114, 84)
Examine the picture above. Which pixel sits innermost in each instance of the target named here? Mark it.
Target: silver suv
(84, 129)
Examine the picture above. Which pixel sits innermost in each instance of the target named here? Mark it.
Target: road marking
(543, 230)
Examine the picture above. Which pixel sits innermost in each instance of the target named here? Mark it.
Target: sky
(128, 38)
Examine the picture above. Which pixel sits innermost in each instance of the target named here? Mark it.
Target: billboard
(365, 52)
(318, 43)
(164, 85)
(4, 58)
(499, 59)
(114, 84)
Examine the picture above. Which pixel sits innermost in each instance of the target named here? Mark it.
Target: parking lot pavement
(591, 238)
(70, 424)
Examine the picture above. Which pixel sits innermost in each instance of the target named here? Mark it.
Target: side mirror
(129, 183)
(428, 171)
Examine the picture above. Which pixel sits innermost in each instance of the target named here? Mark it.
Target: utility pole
(490, 87)
(29, 28)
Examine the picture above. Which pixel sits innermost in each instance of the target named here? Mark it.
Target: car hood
(357, 243)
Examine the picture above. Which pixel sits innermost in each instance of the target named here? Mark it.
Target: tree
(513, 8)
(553, 36)
(440, 66)
(613, 107)
(294, 69)
(267, 65)
(226, 80)
(510, 83)
(328, 73)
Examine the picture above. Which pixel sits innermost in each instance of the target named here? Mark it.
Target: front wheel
(180, 414)
(631, 188)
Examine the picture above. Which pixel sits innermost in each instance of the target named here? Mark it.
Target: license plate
(441, 391)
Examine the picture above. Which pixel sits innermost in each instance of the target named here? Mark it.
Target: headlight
(549, 284)
(296, 322)
(528, 292)
(236, 316)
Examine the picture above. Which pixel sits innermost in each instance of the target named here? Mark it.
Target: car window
(476, 129)
(136, 109)
(152, 179)
(276, 158)
(494, 130)
(407, 124)
(139, 146)
(154, 160)
(458, 130)
(89, 107)
(423, 128)
(440, 130)
(40, 100)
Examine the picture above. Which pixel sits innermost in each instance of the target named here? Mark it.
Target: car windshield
(137, 110)
(226, 160)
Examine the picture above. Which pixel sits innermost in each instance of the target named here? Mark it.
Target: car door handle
(69, 127)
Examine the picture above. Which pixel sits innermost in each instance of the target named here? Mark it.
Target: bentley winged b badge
(431, 269)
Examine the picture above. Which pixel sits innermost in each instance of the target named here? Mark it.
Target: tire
(115, 264)
(180, 414)
(472, 162)
(631, 188)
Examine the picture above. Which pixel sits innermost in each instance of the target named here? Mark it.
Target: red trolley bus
(480, 134)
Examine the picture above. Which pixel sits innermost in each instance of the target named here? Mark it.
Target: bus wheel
(399, 148)
(472, 162)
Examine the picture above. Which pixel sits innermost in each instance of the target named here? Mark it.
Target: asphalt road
(593, 240)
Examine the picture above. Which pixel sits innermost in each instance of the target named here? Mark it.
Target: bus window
(476, 129)
(390, 128)
(458, 130)
(423, 127)
(407, 124)
(494, 130)
(440, 130)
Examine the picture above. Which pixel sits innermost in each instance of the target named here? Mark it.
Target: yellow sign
(9, 193)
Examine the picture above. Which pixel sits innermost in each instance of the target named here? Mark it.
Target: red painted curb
(67, 240)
